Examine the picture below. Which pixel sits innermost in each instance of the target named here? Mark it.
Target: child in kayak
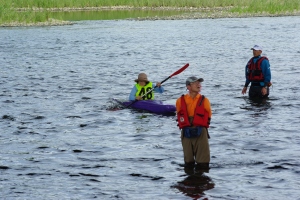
(143, 89)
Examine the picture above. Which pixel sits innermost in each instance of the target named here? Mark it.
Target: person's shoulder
(200, 95)
(265, 59)
(178, 100)
(134, 88)
(250, 60)
(205, 98)
(180, 97)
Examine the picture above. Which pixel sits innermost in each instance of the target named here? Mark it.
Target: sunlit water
(63, 138)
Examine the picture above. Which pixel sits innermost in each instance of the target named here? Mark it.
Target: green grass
(252, 5)
(10, 9)
(10, 15)
(268, 6)
(247, 5)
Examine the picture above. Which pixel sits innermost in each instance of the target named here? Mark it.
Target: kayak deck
(153, 106)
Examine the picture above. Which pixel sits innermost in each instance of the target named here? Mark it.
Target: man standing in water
(193, 115)
(258, 73)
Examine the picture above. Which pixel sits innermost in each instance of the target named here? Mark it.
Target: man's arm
(265, 67)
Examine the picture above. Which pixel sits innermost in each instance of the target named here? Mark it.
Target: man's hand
(264, 91)
(244, 90)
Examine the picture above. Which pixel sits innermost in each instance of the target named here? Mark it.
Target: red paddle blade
(180, 70)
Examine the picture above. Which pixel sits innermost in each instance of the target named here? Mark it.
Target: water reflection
(195, 183)
(257, 104)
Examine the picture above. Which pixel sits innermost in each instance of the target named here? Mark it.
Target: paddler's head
(142, 79)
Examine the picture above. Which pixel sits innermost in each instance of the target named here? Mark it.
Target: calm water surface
(63, 138)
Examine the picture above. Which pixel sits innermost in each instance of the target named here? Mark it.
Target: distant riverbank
(42, 16)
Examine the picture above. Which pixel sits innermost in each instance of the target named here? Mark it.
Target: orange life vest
(254, 72)
(201, 117)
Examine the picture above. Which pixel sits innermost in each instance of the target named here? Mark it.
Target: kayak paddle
(175, 73)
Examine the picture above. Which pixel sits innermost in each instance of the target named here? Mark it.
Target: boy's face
(142, 83)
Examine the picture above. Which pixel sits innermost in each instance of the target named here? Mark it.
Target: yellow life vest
(141, 90)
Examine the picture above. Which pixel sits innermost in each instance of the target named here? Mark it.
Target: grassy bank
(39, 11)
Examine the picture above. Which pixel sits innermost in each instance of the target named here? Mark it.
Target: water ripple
(63, 137)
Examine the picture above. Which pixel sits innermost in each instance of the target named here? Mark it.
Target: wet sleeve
(132, 94)
(159, 89)
(265, 65)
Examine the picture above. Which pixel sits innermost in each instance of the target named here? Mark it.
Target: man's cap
(256, 47)
(142, 77)
(193, 79)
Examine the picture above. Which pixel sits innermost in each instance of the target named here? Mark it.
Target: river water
(62, 137)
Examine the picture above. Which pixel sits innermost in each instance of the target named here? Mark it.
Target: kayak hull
(153, 106)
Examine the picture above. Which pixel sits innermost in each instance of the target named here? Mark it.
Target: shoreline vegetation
(38, 12)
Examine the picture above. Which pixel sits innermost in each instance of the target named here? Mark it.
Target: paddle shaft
(175, 73)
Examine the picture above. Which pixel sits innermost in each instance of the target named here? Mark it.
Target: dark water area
(62, 137)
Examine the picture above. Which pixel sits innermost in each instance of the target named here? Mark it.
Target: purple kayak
(153, 106)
